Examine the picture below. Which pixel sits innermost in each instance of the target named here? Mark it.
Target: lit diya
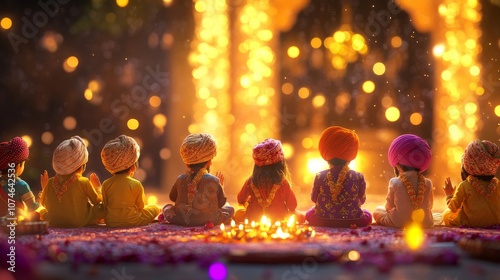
(22, 225)
(265, 230)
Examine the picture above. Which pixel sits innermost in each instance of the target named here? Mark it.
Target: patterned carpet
(168, 244)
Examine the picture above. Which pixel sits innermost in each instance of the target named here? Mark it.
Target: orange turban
(338, 142)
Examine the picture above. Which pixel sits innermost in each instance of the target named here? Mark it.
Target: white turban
(69, 156)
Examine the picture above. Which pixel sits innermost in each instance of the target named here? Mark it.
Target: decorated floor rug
(160, 244)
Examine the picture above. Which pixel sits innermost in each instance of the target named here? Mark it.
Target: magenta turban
(410, 150)
(268, 152)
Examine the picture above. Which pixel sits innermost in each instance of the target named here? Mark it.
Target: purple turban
(410, 150)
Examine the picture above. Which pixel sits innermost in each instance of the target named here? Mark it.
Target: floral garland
(193, 184)
(59, 188)
(264, 203)
(336, 187)
(480, 189)
(415, 198)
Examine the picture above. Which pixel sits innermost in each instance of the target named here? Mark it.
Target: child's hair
(337, 161)
(268, 175)
(485, 178)
(195, 167)
(126, 170)
(405, 168)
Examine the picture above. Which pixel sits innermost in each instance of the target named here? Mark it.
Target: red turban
(268, 152)
(410, 150)
(338, 142)
(14, 151)
(481, 158)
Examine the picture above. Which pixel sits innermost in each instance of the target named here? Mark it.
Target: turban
(410, 150)
(14, 151)
(338, 142)
(198, 148)
(481, 158)
(69, 156)
(268, 152)
(120, 153)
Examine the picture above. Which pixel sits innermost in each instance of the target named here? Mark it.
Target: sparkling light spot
(396, 42)
(287, 150)
(122, 3)
(47, 137)
(438, 50)
(307, 143)
(368, 86)
(133, 124)
(69, 123)
(165, 153)
(155, 101)
(379, 68)
(497, 110)
(314, 165)
(6, 23)
(88, 94)
(293, 52)
(414, 236)
(27, 139)
(474, 70)
(416, 118)
(217, 271)
(392, 114)
(287, 88)
(353, 255)
(160, 120)
(304, 92)
(316, 42)
(318, 101)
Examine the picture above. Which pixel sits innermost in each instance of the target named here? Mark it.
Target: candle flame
(291, 221)
(222, 227)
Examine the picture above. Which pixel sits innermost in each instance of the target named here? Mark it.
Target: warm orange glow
(133, 124)
(392, 114)
(293, 52)
(6, 23)
(368, 86)
(414, 236)
(122, 3)
(27, 139)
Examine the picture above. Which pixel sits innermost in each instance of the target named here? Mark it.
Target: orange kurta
(283, 204)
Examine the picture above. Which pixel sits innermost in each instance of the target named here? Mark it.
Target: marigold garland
(336, 187)
(59, 188)
(480, 189)
(415, 198)
(264, 203)
(193, 184)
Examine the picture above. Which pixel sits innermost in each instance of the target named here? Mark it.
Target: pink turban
(15, 151)
(120, 153)
(410, 150)
(268, 152)
(69, 156)
(198, 148)
(481, 158)
(338, 142)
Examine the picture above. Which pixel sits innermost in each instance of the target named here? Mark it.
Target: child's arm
(27, 195)
(92, 194)
(44, 181)
(290, 199)
(141, 198)
(315, 190)
(221, 196)
(244, 192)
(96, 183)
(389, 200)
(455, 203)
(362, 190)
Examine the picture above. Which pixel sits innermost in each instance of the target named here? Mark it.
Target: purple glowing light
(217, 271)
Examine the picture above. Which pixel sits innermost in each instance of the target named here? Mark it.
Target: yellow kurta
(73, 209)
(469, 208)
(124, 202)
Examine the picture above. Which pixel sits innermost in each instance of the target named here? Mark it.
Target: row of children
(338, 192)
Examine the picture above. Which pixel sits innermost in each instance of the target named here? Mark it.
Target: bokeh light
(160, 120)
(27, 139)
(396, 42)
(353, 255)
(307, 143)
(122, 3)
(414, 236)
(416, 118)
(304, 92)
(155, 101)
(379, 68)
(6, 23)
(217, 271)
(293, 52)
(316, 43)
(133, 124)
(69, 123)
(47, 138)
(287, 88)
(392, 114)
(70, 64)
(368, 86)
(497, 110)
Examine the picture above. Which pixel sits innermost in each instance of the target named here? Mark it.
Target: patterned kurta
(207, 204)
(469, 207)
(283, 204)
(349, 201)
(71, 208)
(124, 202)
